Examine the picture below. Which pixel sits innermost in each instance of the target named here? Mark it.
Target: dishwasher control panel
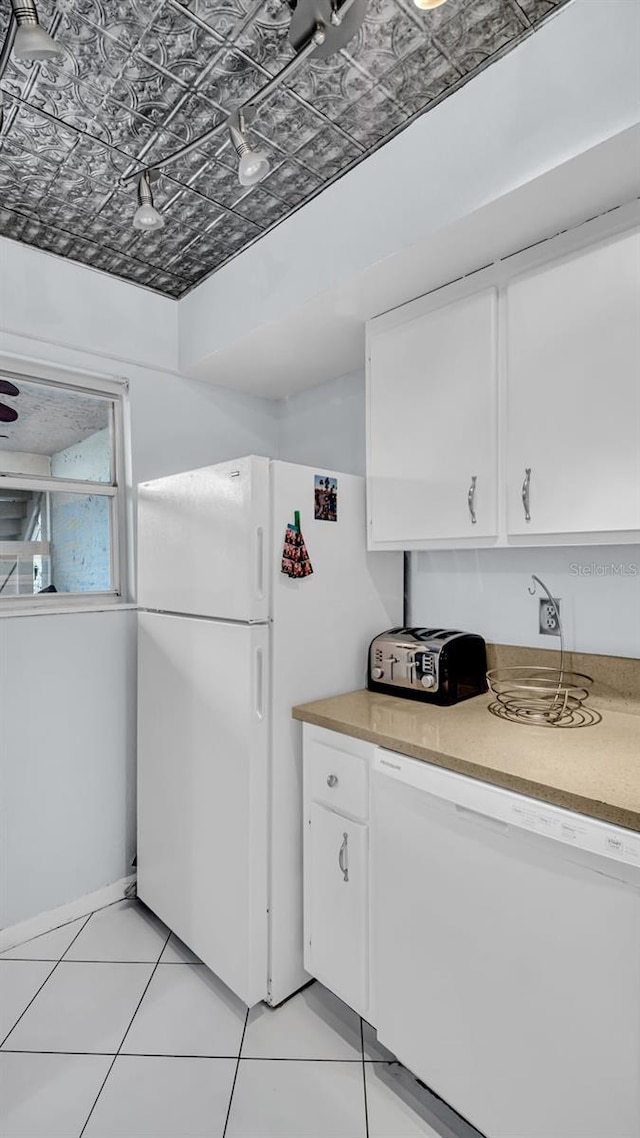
(480, 801)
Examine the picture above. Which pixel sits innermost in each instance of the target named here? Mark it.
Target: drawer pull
(342, 857)
(332, 780)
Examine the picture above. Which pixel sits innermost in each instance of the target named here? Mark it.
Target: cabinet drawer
(337, 771)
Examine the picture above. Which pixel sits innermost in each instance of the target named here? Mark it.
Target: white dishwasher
(506, 953)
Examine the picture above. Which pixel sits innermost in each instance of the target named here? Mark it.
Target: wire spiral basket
(543, 697)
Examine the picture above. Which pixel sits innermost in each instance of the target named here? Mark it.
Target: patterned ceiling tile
(266, 39)
(15, 149)
(123, 20)
(192, 212)
(11, 223)
(140, 87)
(140, 78)
(92, 56)
(50, 239)
(387, 35)
(331, 84)
(421, 78)
(261, 207)
(291, 183)
(286, 120)
(233, 81)
(536, 10)
(176, 46)
(191, 116)
(374, 116)
(479, 30)
(217, 181)
(327, 154)
(224, 16)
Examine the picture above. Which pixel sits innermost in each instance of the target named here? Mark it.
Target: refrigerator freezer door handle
(259, 683)
(260, 562)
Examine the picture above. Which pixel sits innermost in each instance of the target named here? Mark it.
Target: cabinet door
(432, 410)
(336, 884)
(574, 394)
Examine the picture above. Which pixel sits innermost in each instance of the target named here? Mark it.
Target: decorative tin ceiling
(142, 77)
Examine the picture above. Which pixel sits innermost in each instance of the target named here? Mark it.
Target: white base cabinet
(336, 863)
(504, 937)
(338, 882)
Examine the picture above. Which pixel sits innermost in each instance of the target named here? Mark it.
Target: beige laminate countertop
(593, 770)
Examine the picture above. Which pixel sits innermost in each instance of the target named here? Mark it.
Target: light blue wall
(485, 591)
(325, 426)
(67, 757)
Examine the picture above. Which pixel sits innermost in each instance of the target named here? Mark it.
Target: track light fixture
(146, 217)
(254, 164)
(31, 42)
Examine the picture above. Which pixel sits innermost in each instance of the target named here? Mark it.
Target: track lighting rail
(9, 39)
(245, 109)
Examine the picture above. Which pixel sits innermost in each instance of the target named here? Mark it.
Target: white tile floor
(111, 1028)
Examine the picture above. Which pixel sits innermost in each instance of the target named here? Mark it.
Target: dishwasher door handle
(479, 819)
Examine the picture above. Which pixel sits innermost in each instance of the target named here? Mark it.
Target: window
(62, 520)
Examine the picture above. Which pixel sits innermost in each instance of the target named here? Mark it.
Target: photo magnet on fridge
(295, 558)
(325, 498)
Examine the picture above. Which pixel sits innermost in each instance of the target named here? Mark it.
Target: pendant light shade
(427, 5)
(253, 165)
(31, 42)
(146, 218)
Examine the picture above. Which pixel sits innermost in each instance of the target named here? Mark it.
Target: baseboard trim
(46, 922)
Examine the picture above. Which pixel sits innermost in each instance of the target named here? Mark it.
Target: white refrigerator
(227, 645)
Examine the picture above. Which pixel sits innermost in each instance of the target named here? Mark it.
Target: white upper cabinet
(432, 423)
(573, 405)
(517, 405)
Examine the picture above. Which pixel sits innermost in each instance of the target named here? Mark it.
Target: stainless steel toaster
(438, 665)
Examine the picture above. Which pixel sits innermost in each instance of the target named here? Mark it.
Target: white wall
(67, 757)
(571, 85)
(67, 682)
(325, 426)
(53, 301)
(485, 591)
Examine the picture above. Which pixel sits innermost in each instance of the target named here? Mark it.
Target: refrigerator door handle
(259, 688)
(259, 562)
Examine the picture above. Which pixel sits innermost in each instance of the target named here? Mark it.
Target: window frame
(116, 391)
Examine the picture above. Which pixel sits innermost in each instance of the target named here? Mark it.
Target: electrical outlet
(549, 624)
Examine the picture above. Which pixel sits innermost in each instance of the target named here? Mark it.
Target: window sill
(65, 609)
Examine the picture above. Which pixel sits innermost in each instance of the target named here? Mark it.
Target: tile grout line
(137, 1008)
(46, 980)
(93, 960)
(62, 925)
(364, 1080)
(235, 1074)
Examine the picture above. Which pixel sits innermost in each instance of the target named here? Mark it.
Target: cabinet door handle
(525, 493)
(342, 857)
(332, 780)
(471, 499)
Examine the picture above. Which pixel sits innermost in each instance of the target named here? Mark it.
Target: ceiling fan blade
(7, 414)
(8, 388)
